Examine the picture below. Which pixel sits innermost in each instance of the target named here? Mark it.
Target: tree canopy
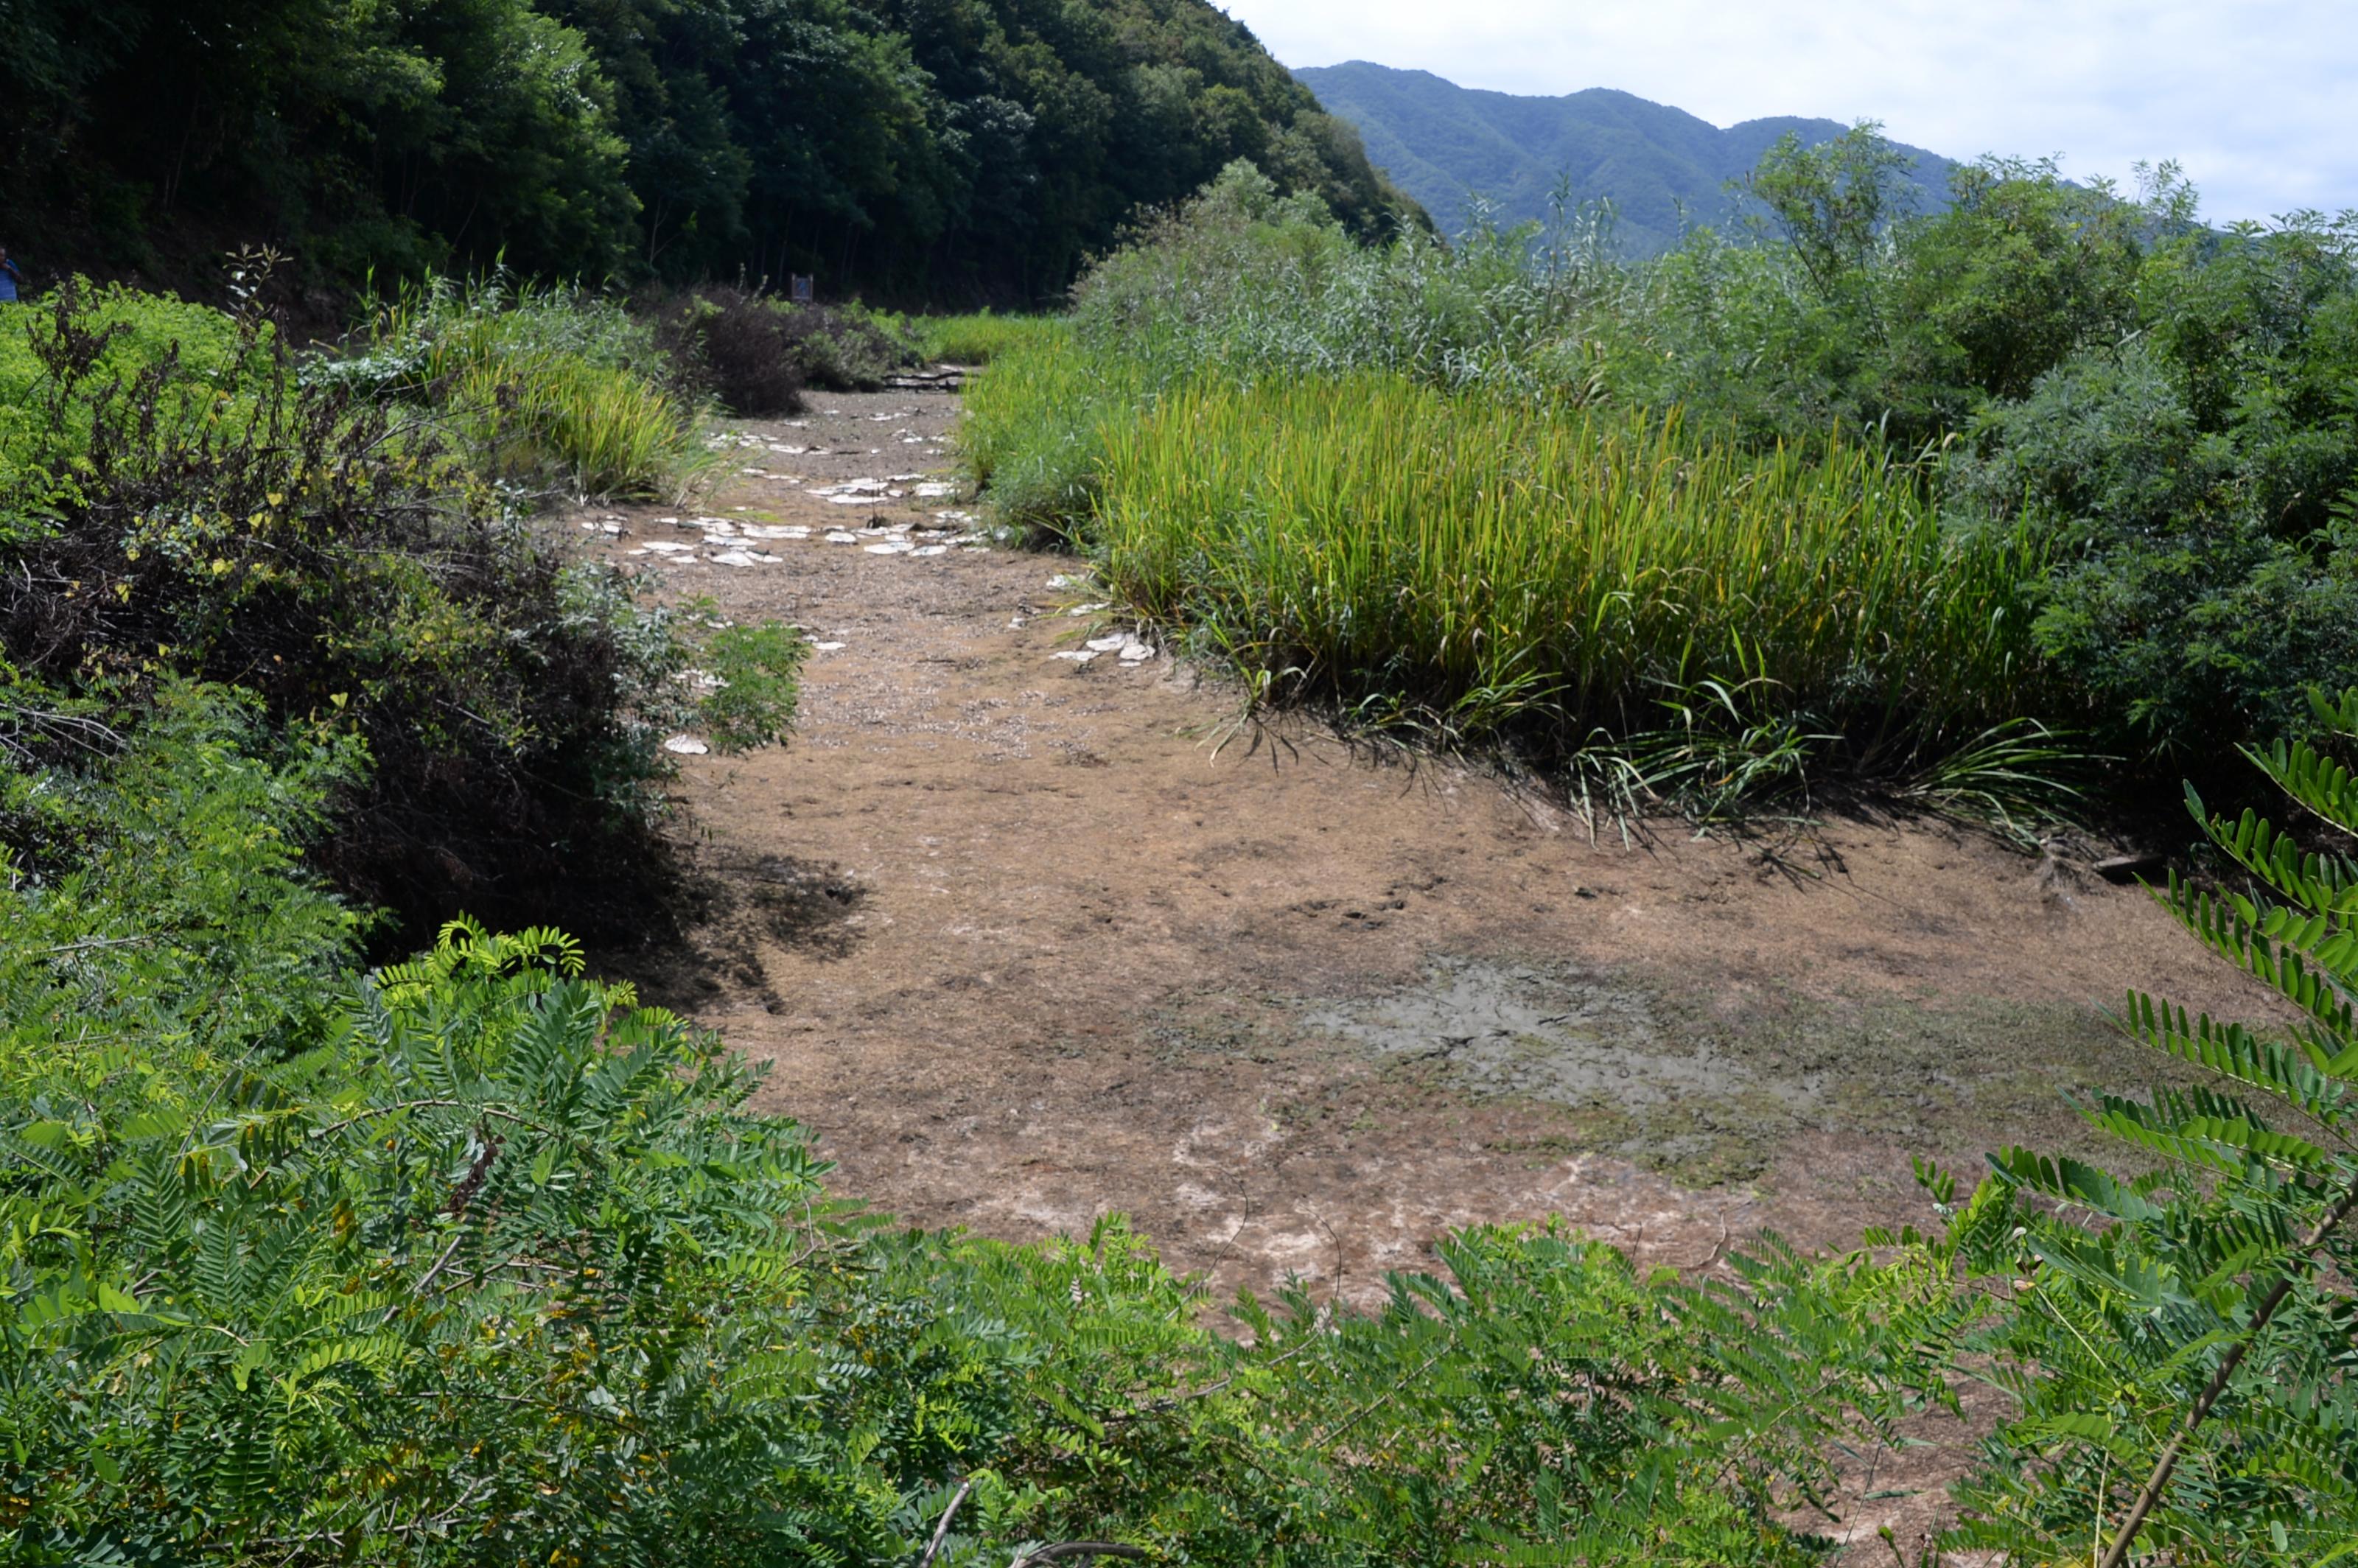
(926, 149)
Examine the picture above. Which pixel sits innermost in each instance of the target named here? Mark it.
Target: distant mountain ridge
(1444, 144)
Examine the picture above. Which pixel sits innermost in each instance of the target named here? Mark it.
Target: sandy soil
(1027, 939)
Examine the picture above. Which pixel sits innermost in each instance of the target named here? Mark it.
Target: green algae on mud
(1707, 1087)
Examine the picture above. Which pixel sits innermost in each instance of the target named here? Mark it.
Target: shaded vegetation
(349, 542)
(942, 151)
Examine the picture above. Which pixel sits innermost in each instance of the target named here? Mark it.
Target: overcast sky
(2255, 97)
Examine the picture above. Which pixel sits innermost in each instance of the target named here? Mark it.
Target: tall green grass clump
(544, 385)
(977, 339)
(1488, 563)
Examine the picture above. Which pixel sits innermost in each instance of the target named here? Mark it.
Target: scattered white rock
(904, 478)
(1108, 645)
(1134, 651)
(931, 550)
(889, 548)
(841, 538)
(850, 500)
(1076, 655)
(826, 647)
(687, 746)
(665, 546)
(744, 559)
(776, 531)
(933, 490)
(590, 527)
(1061, 579)
(1088, 609)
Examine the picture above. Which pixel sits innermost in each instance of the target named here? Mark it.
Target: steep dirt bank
(1024, 946)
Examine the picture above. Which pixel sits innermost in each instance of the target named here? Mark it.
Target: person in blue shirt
(11, 278)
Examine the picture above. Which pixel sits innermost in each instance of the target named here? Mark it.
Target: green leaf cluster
(938, 150)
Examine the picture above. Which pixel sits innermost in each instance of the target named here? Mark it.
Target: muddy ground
(1028, 937)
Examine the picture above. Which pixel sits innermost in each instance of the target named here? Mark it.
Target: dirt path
(1024, 947)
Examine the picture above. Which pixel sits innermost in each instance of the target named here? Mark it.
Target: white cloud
(2253, 96)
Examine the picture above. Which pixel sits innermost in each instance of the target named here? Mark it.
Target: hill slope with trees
(1659, 165)
(967, 149)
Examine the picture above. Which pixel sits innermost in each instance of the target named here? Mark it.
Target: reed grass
(544, 385)
(1486, 563)
(977, 339)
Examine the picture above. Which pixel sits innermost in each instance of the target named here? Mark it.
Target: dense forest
(921, 149)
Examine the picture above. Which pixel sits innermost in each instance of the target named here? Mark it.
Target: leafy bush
(2177, 1341)
(756, 354)
(319, 549)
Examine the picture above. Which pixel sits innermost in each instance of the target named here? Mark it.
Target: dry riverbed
(1029, 932)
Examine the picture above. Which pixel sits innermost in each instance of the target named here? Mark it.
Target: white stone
(1108, 645)
(1075, 656)
(841, 538)
(687, 746)
(931, 550)
(826, 647)
(889, 548)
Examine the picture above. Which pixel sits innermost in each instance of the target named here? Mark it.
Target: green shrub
(317, 548)
(2177, 1343)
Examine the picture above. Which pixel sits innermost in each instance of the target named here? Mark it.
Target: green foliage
(976, 340)
(2183, 1334)
(539, 386)
(209, 516)
(2153, 419)
(1482, 566)
(970, 148)
(753, 673)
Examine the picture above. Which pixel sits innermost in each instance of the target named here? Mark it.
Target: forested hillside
(1661, 167)
(928, 149)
